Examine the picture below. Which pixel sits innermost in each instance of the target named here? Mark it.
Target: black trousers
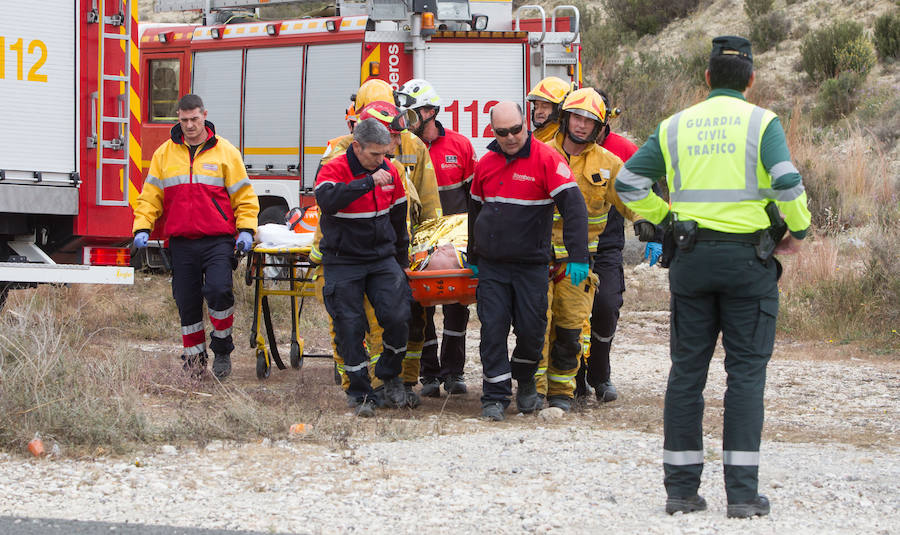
(510, 295)
(718, 287)
(384, 283)
(453, 345)
(604, 315)
(201, 269)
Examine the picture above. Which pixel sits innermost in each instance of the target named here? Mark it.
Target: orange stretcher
(442, 286)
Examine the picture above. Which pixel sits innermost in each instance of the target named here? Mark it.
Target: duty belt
(705, 234)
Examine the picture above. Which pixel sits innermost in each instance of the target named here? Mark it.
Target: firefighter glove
(645, 230)
(474, 269)
(653, 251)
(577, 272)
(140, 239)
(244, 242)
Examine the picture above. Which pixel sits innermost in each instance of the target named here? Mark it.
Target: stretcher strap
(270, 333)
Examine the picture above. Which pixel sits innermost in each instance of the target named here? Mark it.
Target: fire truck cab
(70, 147)
(278, 90)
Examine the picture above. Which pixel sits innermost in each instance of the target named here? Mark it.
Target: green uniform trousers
(719, 286)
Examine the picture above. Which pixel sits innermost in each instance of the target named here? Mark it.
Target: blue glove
(577, 271)
(140, 239)
(244, 242)
(474, 269)
(653, 251)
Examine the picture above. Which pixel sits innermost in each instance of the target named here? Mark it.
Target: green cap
(732, 45)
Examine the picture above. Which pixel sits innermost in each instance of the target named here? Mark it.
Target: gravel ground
(830, 461)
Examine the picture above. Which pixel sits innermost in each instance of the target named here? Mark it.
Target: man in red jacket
(364, 249)
(199, 181)
(513, 193)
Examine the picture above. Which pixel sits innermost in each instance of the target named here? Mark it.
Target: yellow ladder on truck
(110, 45)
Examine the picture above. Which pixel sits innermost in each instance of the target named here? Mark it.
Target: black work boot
(412, 399)
(431, 387)
(195, 365)
(492, 410)
(606, 392)
(222, 365)
(395, 392)
(454, 384)
(561, 402)
(757, 507)
(674, 504)
(366, 409)
(526, 396)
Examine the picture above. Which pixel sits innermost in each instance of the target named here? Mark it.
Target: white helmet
(417, 93)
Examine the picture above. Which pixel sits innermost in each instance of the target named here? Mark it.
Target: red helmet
(385, 113)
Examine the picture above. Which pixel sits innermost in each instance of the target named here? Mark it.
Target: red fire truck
(70, 147)
(278, 89)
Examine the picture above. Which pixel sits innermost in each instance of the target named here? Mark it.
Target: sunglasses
(503, 132)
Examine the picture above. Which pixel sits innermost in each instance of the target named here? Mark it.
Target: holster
(685, 235)
(770, 237)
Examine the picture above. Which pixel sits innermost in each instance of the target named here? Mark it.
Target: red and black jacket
(360, 222)
(511, 207)
(454, 165)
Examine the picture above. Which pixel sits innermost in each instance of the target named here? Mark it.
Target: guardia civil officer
(725, 160)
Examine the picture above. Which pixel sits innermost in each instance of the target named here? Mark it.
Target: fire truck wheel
(262, 365)
(273, 214)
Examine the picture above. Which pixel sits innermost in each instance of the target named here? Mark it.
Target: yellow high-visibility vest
(713, 165)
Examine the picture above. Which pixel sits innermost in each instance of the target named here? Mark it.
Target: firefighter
(415, 162)
(454, 161)
(394, 121)
(595, 370)
(365, 246)
(546, 99)
(515, 187)
(728, 168)
(198, 180)
(582, 118)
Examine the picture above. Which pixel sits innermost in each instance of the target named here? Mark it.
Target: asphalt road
(10, 525)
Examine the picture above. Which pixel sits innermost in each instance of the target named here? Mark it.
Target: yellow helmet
(553, 90)
(373, 90)
(586, 102)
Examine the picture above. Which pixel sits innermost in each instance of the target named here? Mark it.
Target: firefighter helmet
(586, 102)
(385, 113)
(304, 220)
(373, 90)
(417, 93)
(553, 90)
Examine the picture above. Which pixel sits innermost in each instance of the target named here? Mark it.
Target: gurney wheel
(262, 366)
(296, 355)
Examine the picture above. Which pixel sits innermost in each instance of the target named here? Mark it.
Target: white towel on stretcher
(272, 235)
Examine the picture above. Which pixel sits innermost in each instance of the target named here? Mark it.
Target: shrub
(649, 87)
(844, 303)
(819, 50)
(858, 56)
(647, 16)
(838, 96)
(887, 35)
(769, 30)
(757, 8)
